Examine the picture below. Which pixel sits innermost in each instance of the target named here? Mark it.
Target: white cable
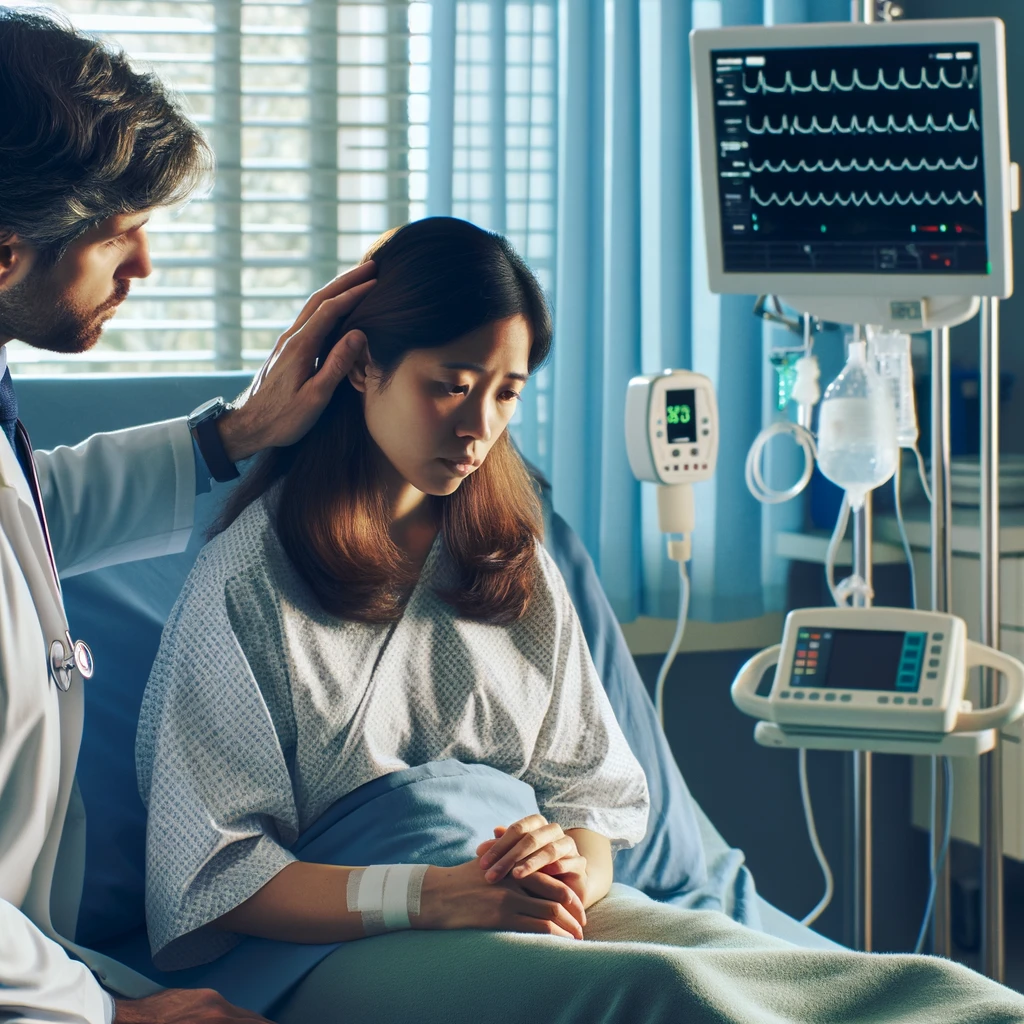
(677, 639)
(754, 472)
(805, 795)
(937, 862)
(903, 533)
(923, 474)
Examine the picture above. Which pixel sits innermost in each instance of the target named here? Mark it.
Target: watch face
(204, 412)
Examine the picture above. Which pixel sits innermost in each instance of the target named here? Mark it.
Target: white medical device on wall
(882, 679)
(860, 172)
(672, 441)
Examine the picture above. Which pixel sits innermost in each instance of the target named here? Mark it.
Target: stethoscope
(64, 655)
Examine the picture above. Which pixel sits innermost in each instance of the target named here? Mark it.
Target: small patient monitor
(857, 162)
(671, 427)
(877, 672)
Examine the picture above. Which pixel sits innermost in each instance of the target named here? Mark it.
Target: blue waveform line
(855, 127)
(866, 199)
(871, 164)
(968, 77)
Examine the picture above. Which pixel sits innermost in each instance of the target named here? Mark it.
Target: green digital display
(680, 417)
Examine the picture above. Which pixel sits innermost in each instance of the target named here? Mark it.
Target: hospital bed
(120, 612)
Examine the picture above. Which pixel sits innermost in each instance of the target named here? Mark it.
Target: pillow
(120, 612)
(446, 810)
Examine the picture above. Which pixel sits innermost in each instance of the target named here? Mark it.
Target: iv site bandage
(387, 895)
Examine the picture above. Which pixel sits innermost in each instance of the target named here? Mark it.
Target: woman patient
(376, 599)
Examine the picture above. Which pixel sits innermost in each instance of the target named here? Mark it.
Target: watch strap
(211, 447)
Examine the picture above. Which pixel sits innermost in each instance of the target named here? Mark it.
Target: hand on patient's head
(286, 396)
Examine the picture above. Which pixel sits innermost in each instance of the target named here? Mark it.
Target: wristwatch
(203, 424)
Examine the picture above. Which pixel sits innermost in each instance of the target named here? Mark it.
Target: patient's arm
(596, 849)
(308, 903)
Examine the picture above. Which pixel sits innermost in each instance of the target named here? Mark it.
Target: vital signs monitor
(856, 161)
(872, 674)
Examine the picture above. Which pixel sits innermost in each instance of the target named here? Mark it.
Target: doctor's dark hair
(437, 280)
(83, 136)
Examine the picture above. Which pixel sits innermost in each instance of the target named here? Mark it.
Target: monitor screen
(851, 159)
(680, 418)
(858, 659)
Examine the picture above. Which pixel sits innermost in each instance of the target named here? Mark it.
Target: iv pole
(991, 789)
(862, 530)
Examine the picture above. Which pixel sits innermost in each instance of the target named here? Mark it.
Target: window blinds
(319, 114)
(310, 108)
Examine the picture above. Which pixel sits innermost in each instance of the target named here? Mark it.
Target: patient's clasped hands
(461, 897)
(530, 878)
(534, 844)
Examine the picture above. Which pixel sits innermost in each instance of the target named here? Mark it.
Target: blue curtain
(546, 124)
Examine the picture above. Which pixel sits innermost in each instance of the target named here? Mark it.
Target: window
(317, 113)
(504, 167)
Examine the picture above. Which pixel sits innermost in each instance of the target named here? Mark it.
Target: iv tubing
(677, 639)
(903, 532)
(754, 474)
(936, 864)
(923, 474)
(842, 522)
(805, 795)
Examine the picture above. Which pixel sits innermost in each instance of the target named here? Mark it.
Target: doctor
(73, 209)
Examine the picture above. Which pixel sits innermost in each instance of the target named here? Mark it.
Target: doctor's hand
(460, 897)
(532, 845)
(182, 1006)
(286, 397)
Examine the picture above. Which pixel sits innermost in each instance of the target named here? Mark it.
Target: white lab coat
(116, 497)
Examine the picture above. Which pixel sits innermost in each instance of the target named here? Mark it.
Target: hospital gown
(262, 710)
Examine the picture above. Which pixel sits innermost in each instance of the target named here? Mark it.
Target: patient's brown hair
(437, 279)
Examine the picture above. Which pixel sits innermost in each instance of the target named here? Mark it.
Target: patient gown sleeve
(212, 768)
(582, 770)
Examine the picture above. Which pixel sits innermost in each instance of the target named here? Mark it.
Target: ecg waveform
(854, 127)
(866, 199)
(968, 78)
(831, 159)
(871, 164)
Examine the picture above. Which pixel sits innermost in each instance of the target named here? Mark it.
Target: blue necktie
(8, 407)
(9, 418)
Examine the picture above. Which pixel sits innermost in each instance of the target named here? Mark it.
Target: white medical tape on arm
(395, 905)
(386, 895)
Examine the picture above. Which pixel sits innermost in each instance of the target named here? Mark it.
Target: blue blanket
(436, 813)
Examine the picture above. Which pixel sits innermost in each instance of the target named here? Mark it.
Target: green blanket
(641, 962)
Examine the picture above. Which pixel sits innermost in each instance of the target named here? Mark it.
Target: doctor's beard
(30, 313)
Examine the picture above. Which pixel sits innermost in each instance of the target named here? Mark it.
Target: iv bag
(857, 447)
(891, 352)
